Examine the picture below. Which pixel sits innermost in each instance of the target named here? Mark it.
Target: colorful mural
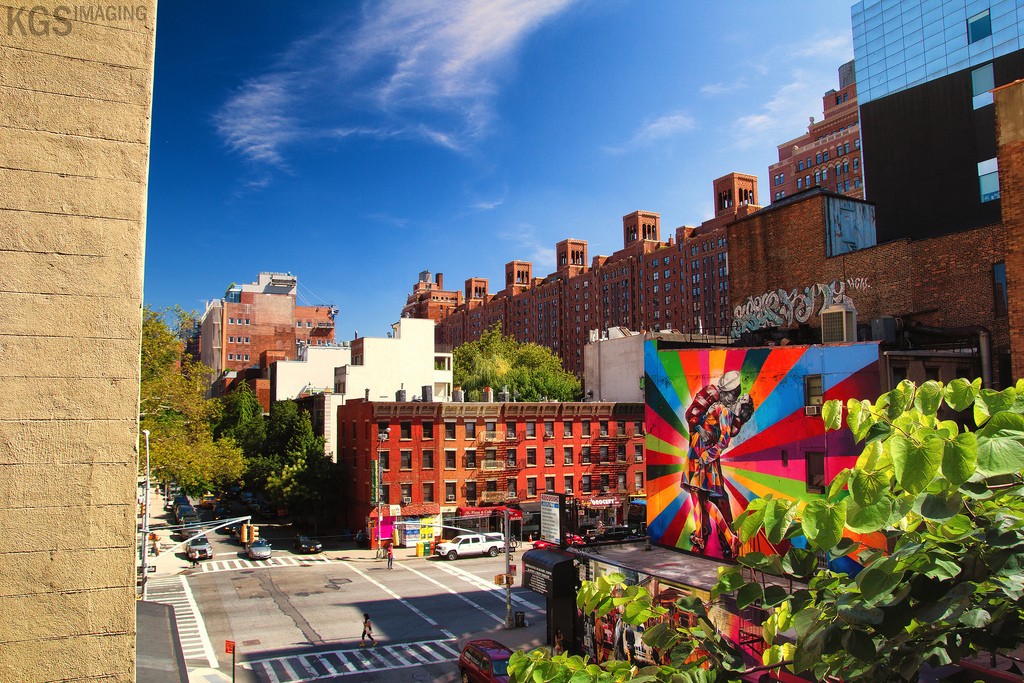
(727, 425)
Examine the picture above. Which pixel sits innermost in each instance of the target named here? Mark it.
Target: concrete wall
(315, 371)
(74, 135)
(613, 369)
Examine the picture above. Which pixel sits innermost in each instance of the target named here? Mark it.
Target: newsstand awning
(550, 572)
(497, 511)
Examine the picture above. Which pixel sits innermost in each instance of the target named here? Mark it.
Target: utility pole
(508, 586)
(145, 521)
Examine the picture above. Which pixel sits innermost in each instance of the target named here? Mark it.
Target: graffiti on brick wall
(783, 308)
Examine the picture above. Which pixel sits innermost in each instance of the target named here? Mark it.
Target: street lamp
(145, 519)
(382, 437)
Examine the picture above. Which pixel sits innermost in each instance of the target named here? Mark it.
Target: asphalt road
(299, 617)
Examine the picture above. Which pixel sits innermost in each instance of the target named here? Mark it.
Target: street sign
(229, 647)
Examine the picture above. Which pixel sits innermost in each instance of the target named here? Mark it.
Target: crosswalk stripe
(304, 668)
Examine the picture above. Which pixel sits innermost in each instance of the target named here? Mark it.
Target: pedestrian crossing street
(207, 566)
(195, 643)
(317, 665)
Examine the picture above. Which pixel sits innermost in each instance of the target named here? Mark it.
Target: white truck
(469, 544)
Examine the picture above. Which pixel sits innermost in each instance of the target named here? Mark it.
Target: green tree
(949, 503)
(243, 421)
(530, 371)
(173, 408)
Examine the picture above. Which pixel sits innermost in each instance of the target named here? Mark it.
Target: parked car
(200, 548)
(308, 544)
(469, 544)
(221, 512)
(484, 661)
(570, 539)
(183, 511)
(208, 500)
(258, 549)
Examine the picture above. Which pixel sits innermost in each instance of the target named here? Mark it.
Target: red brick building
(649, 284)
(256, 324)
(828, 154)
(430, 300)
(458, 458)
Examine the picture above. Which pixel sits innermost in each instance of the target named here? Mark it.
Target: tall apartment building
(649, 284)
(828, 154)
(925, 75)
(429, 299)
(449, 459)
(261, 318)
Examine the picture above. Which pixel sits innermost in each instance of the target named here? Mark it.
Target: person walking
(391, 555)
(367, 632)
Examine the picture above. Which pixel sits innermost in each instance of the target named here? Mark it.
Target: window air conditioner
(568, 491)
(812, 410)
(451, 499)
(406, 500)
(838, 324)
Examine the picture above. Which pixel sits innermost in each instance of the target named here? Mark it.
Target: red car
(484, 661)
(570, 539)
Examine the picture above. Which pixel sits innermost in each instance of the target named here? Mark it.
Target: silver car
(258, 550)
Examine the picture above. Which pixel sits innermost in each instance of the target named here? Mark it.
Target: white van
(469, 544)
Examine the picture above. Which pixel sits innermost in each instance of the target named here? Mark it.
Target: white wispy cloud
(426, 70)
(656, 130)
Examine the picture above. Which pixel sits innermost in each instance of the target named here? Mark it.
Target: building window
(800, 165)
(812, 390)
(510, 431)
(471, 430)
(428, 492)
(815, 471)
(603, 455)
(246, 356)
(817, 158)
(979, 26)
(405, 430)
(449, 430)
(471, 459)
(799, 183)
(511, 488)
(988, 179)
(385, 494)
(999, 281)
(585, 455)
(385, 460)
(549, 484)
(567, 455)
(428, 460)
(449, 460)
(531, 487)
(231, 340)
(638, 481)
(982, 82)
(449, 491)
(567, 482)
(471, 491)
(246, 321)
(585, 483)
(638, 453)
(231, 356)
(531, 457)
(531, 430)
(406, 460)
(549, 430)
(549, 456)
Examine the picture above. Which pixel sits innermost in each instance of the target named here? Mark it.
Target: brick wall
(74, 129)
(1010, 137)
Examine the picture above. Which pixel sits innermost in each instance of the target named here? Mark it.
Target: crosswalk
(317, 665)
(195, 643)
(207, 566)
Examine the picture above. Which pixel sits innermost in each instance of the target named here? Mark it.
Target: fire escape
(499, 464)
(609, 458)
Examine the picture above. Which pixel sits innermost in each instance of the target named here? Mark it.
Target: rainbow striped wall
(768, 455)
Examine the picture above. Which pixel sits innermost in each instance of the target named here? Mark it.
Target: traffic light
(254, 533)
(243, 533)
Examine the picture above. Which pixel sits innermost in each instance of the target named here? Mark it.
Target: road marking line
(201, 625)
(460, 596)
(479, 582)
(400, 599)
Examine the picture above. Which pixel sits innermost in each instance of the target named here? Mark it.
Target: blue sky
(356, 144)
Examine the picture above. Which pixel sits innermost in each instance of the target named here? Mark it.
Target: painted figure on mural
(715, 416)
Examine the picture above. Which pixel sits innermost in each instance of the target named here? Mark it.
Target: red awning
(497, 511)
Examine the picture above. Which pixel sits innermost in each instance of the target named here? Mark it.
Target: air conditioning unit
(838, 324)
(451, 499)
(406, 500)
(568, 491)
(812, 410)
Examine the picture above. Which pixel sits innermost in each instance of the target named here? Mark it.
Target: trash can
(520, 619)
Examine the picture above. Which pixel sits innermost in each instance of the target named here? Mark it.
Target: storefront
(601, 511)
(484, 520)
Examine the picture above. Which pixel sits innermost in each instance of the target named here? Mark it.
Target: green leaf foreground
(943, 575)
